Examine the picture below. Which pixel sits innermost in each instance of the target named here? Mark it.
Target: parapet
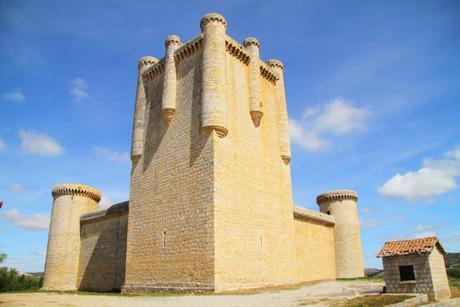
(75, 189)
(213, 17)
(172, 39)
(273, 63)
(310, 215)
(146, 61)
(117, 209)
(336, 195)
(251, 41)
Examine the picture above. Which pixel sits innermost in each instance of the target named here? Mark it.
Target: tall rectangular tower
(210, 197)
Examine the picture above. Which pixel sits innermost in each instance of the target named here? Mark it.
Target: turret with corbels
(213, 68)
(285, 147)
(138, 139)
(255, 104)
(170, 79)
(70, 201)
(342, 205)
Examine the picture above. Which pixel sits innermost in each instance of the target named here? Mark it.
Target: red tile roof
(406, 247)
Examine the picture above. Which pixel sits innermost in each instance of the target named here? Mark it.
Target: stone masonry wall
(170, 237)
(423, 281)
(103, 249)
(61, 268)
(314, 243)
(439, 275)
(254, 230)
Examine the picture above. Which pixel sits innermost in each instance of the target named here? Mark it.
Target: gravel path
(311, 295)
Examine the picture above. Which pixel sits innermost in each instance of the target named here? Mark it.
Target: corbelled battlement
(214, 44)
(337, 195)
(212, 17)
(74, 189)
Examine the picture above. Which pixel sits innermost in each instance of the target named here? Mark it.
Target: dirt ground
(311, 295)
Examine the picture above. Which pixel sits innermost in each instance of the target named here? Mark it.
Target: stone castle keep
(210, 205)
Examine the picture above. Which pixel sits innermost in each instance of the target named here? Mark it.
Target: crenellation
(266, 72)
(189, 48)
(236, 50)
(210, 205)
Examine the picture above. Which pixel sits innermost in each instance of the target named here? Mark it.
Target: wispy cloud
(40, 144)
(17, 188)
(78, 89)
(2, 145)
(398, 218)
(366, 210)
(425, 230)
(112, 155)
(13, 96)
(435, 177)
(334, 118)
(369, 223)
(34, 221)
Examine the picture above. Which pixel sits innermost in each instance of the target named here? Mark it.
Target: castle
(210, 205)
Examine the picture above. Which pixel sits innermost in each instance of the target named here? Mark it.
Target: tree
(2, 257)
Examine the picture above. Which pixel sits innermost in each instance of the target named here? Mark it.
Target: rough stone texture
(314, 242)
(210, 204)
(430, 274)
(341, 204)
(439, 275)
(171, 233)
(253, 221)
(62, 257)
(103, 249)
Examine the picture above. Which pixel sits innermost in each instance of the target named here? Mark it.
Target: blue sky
(373, 92)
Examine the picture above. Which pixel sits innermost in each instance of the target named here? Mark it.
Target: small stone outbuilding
(415, 266)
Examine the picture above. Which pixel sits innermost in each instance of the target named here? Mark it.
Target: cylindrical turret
(137, 145)
(285, 147)
(170, 79)
(342, 205)
(214, 105)
(255, 104)
(62, 257)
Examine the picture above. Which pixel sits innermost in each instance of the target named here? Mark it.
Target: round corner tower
(342, 205)
(70, 201)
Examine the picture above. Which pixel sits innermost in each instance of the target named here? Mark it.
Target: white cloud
(40, 144)
(2, 144)
(14, 96)
(369, 223)
(422, 227)
(435, 177)
(34, 221)
(340, 117)
(425, 230)
(112, 155)
(306, 139)
(79, 89)
(17, 188)
(366, 210)
(334, 118)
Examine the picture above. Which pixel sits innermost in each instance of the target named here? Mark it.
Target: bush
(10, 280)
(453, 272)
